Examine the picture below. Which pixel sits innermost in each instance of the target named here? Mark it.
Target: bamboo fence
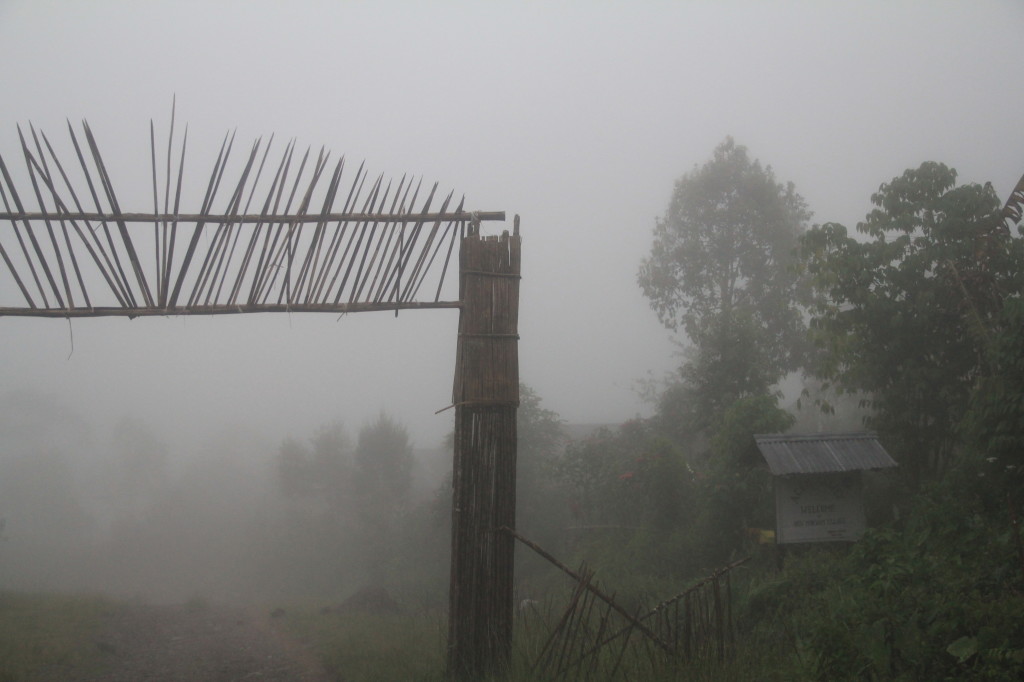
(604, 642)
(284, 237)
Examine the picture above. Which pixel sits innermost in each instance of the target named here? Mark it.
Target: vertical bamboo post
(486, 396)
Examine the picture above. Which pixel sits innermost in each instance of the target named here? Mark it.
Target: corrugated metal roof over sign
(822, 453)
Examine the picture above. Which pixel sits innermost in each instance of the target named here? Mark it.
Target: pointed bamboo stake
(384, 238)
(164, 244)
(436, 240)
(210, 274)
(47, 178)
(35, 245)
(407, 207)
(425, 259)
(7, 258)
(44, 265)
(356, 240)
(257, 229)
(236, 230)
(270, 206)
(122, 277)
(157, 255)
(126, 239)
(92, 243)
(281, 249)
(343, 231)
(319, 288)
(202, 274)
(172, 237)
(311, 250)
(198, 229)
(457, 236)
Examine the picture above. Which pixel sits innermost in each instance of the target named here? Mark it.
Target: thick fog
(577, 116)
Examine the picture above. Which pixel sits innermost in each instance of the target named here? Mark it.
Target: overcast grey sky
(579, 116)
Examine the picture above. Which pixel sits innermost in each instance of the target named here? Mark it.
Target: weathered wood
(337, 308)
(379, 248)
(288, 218)
(486, 397)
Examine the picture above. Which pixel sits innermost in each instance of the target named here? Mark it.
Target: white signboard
(819, 507)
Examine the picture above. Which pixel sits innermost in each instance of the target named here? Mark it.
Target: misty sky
(579, 116)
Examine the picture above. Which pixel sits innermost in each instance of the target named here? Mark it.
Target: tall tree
(383, 462)
(719, 268)
(319, 473)
(540, 441)
(903, 315)
(382, 480)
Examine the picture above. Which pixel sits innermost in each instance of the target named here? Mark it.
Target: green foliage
(721, 266)
(658, 517)
(629, 477)
(634, 501)
(720, 257)
(541, 509)
(936, 598)
(994, 425)
(539, 429)
(902, 316)
(733, 446)
(736, 490)
(732, 364)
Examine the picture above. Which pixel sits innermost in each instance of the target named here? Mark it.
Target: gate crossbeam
(458, 216)
(291, 242)
(339, 309)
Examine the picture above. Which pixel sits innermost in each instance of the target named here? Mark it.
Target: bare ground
(200, 644)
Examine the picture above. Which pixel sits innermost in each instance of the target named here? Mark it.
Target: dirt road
(199, 644)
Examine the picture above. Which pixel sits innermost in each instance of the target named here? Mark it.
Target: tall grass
(360, 647)
(365, 647)
(41, 634)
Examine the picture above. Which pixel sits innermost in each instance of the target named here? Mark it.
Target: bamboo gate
(282, 244)
(597, 638)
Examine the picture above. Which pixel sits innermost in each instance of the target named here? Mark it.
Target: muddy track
(208, 644)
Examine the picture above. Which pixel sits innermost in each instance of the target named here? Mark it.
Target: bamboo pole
(289, 218)
(486, 396)
(169, 240)
(337, 308)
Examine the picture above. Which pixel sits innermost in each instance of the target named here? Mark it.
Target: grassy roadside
(43, 632)
(370, 647)
(45, 635)
(361, 647)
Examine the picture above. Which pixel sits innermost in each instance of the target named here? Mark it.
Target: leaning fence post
(486, 396)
